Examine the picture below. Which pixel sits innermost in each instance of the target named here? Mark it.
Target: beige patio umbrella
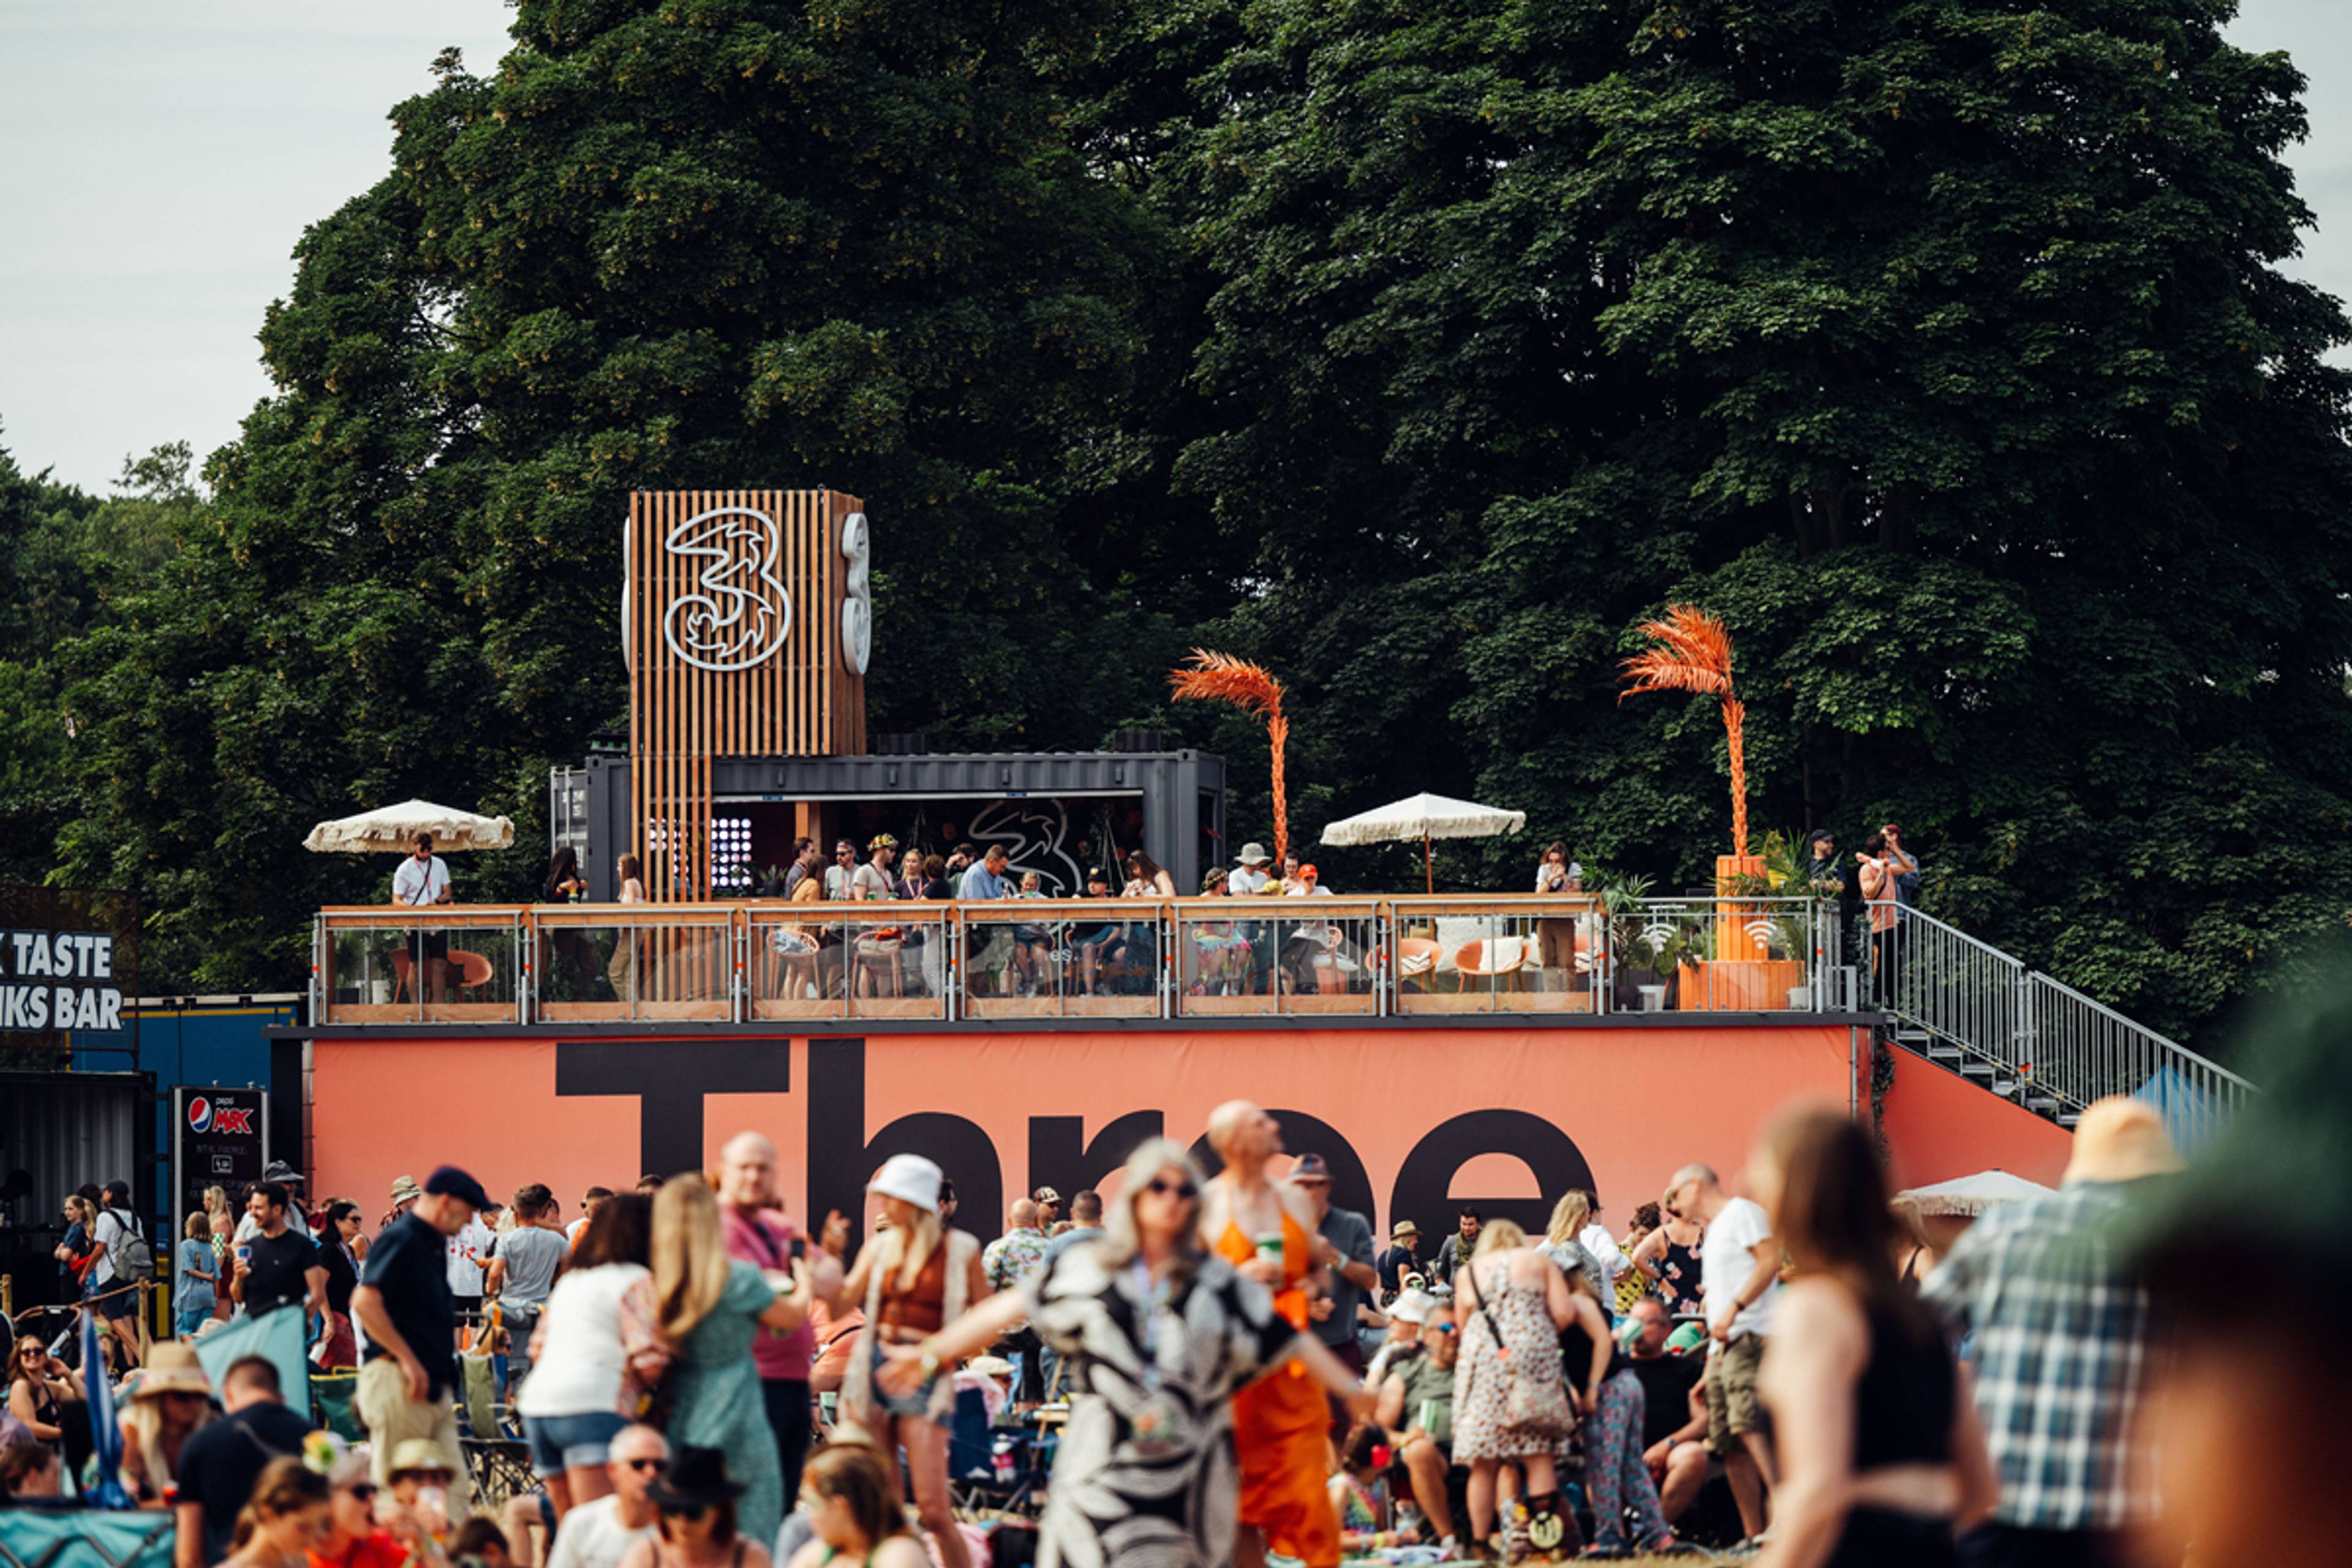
(393, 830)
(1425, 816)
(1969, 1197)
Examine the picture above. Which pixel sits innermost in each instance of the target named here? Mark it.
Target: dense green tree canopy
(1417, 349)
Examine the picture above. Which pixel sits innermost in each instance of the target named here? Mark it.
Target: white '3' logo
(742, 612)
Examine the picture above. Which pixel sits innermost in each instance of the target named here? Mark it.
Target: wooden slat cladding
(797, 698)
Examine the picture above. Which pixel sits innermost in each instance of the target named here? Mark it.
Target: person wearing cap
(1415, 1407)
(1250, 875)
(1673, 1409)
(1406, 1316)
(1346, 1237)
(169, 1401)
(912, 1280)
(404, 1193)
(1049, 1208)
(1401, 1257)
(2057, 1314)
(404, 1306)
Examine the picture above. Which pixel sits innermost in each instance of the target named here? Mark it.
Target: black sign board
(220, 1138)
(69, 968)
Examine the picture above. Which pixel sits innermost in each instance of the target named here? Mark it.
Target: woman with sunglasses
(851, 1501)
(363, 1533)
(697, 1527)
(1162, 1332)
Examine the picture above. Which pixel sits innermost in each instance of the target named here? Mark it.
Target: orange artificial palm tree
(1690, 650)
(1222, 678)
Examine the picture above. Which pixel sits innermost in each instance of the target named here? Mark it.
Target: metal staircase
(1974, 1010)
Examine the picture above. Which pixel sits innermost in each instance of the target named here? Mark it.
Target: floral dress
(1145, 1476)
(1526, 1356)
(1678, 1276)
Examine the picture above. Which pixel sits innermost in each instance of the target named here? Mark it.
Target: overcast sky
(160, 158)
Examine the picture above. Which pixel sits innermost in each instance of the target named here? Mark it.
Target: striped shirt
(2057, 1329)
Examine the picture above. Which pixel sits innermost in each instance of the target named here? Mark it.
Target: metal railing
(2044, 1041)
(1127, 958)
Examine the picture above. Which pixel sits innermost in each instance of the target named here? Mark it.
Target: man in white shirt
(116, 1228)
(1739, 1281)
(1602, 1248)
(1251, 876)
(599, 1534)
(469, 1255)
(423, 880)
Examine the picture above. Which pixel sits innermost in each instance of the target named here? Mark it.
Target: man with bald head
(1268, 1232)
(759, 1234)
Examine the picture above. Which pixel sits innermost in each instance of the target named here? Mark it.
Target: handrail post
(524, 930)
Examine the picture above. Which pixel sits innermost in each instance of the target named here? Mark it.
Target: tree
(1939, 346)
(701, 243)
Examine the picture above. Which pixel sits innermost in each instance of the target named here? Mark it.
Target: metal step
(2005, 1086)
(2041, 1104)
(1942, 1053)
(1982, 1069)
(2068, 1118)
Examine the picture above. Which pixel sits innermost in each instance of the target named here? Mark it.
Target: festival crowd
(1187, 1370)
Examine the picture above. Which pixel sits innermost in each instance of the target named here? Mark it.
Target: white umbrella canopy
(1969, 1197)
(393, 829)
(1425, 816)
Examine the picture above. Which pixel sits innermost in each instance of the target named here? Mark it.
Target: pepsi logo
(204, 1116)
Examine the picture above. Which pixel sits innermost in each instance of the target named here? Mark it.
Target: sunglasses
(642, 1466)
(691, 1512)
(1164, 1188)
(363, 1492)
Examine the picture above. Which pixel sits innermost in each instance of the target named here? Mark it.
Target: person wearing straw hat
(913, 1278)
(2059, 1323)
(169, 1399)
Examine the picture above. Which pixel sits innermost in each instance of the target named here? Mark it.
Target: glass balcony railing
(767, 959)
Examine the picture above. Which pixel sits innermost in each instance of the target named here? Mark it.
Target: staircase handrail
(2072, 1060)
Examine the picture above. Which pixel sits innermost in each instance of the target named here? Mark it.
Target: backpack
(128, 1253)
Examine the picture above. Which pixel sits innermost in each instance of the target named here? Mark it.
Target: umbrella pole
(1428, 867)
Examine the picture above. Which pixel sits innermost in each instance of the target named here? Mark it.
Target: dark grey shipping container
(57, 1131)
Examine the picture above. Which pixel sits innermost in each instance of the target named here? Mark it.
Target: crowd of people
(1231, 1367)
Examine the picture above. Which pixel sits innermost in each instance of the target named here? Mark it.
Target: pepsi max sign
(58, 980)
(220, 1138)
(205, 1116)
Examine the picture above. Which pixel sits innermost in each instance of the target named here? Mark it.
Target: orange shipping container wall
(1412, 1122)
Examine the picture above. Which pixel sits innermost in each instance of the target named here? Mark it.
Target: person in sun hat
(697, 1502)
(404, 1193)
(2055, 1317)
(1402, 1256)
(911, 1279)
(1250, 875)
(169, 1400)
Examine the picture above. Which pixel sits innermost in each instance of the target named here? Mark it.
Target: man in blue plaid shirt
(2055, 1325)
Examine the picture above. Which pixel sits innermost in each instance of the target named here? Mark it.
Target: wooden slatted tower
(746, 618)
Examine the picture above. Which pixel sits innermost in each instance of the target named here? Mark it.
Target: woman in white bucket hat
(913, 1278)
